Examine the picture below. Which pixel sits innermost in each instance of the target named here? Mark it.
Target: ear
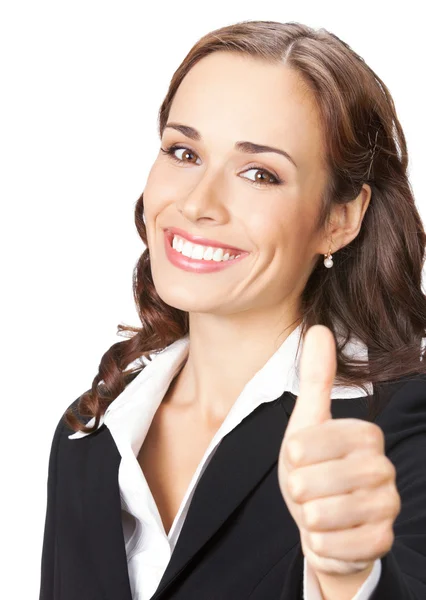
(346, 220)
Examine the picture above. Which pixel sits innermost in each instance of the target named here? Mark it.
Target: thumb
(317, 373)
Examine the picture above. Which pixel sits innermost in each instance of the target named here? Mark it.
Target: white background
(81, 85)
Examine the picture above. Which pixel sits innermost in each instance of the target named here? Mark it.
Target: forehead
(230, 96)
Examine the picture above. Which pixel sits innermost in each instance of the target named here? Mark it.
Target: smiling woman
(210, 465)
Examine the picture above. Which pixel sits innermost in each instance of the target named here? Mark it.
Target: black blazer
(238, 541)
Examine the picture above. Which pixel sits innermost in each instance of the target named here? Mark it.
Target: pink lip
(203, 241)
(194, 264)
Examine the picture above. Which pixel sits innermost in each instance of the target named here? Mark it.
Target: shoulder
(62, 430)
(402, 396)
(62, 426)
(403, 413)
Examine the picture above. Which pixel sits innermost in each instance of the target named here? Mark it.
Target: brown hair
(374, 290)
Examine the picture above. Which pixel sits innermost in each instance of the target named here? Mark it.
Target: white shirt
(128, 417)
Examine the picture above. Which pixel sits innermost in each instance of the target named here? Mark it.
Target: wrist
(342, 587)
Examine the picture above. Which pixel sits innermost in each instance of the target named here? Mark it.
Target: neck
(224, 354)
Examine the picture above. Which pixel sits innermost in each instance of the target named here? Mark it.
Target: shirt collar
(279, 374)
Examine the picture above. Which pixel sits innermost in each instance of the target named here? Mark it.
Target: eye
(170, 151)
(259, 181)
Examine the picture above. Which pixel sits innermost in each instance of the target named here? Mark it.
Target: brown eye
(186, 153)
(263, 177)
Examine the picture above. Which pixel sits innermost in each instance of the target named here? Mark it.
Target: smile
(198, 258)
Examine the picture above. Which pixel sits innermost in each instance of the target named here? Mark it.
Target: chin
(184, 299)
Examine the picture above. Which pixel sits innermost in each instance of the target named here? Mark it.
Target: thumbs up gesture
(334, 476)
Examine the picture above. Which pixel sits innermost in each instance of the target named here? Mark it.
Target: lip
(195, 265)
(197, 239)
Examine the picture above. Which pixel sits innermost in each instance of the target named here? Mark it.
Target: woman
(205, 462)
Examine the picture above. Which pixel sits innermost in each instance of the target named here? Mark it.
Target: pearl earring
(328, 261)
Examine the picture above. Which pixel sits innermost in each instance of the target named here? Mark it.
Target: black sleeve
(48, 556)
(403, 422)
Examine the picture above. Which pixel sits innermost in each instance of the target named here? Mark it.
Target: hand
(334, 476)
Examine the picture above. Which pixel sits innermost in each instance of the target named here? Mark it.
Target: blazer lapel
(241, 460)
(238, 464)
(102, 515)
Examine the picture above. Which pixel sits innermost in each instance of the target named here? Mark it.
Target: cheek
(171, 177)
(278, 230)
(159, 189)
(156, 197)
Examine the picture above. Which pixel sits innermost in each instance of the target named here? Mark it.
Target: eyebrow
(248, 147)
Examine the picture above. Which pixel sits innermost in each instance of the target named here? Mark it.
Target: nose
(205, 200)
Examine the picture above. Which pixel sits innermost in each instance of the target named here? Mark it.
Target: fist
(334, 476)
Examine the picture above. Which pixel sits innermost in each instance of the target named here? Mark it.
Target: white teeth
(208, 253)
(197, 252)
(187, 249)
(200, 252)
(218, 254)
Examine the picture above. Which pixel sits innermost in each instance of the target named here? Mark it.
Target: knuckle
(296, 486)
(318, 543)
(398, 504)
(383, 507)
(395, 502)
(295, 451)
(391, 469)
(388, 468)
(312, 515)
(372, 436)
(376, 469)
(383, 540)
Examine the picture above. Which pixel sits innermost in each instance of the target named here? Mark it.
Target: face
(263, 203)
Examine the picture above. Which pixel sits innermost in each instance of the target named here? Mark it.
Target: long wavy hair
(374, 290)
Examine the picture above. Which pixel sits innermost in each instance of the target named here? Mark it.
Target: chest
(169, 456)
